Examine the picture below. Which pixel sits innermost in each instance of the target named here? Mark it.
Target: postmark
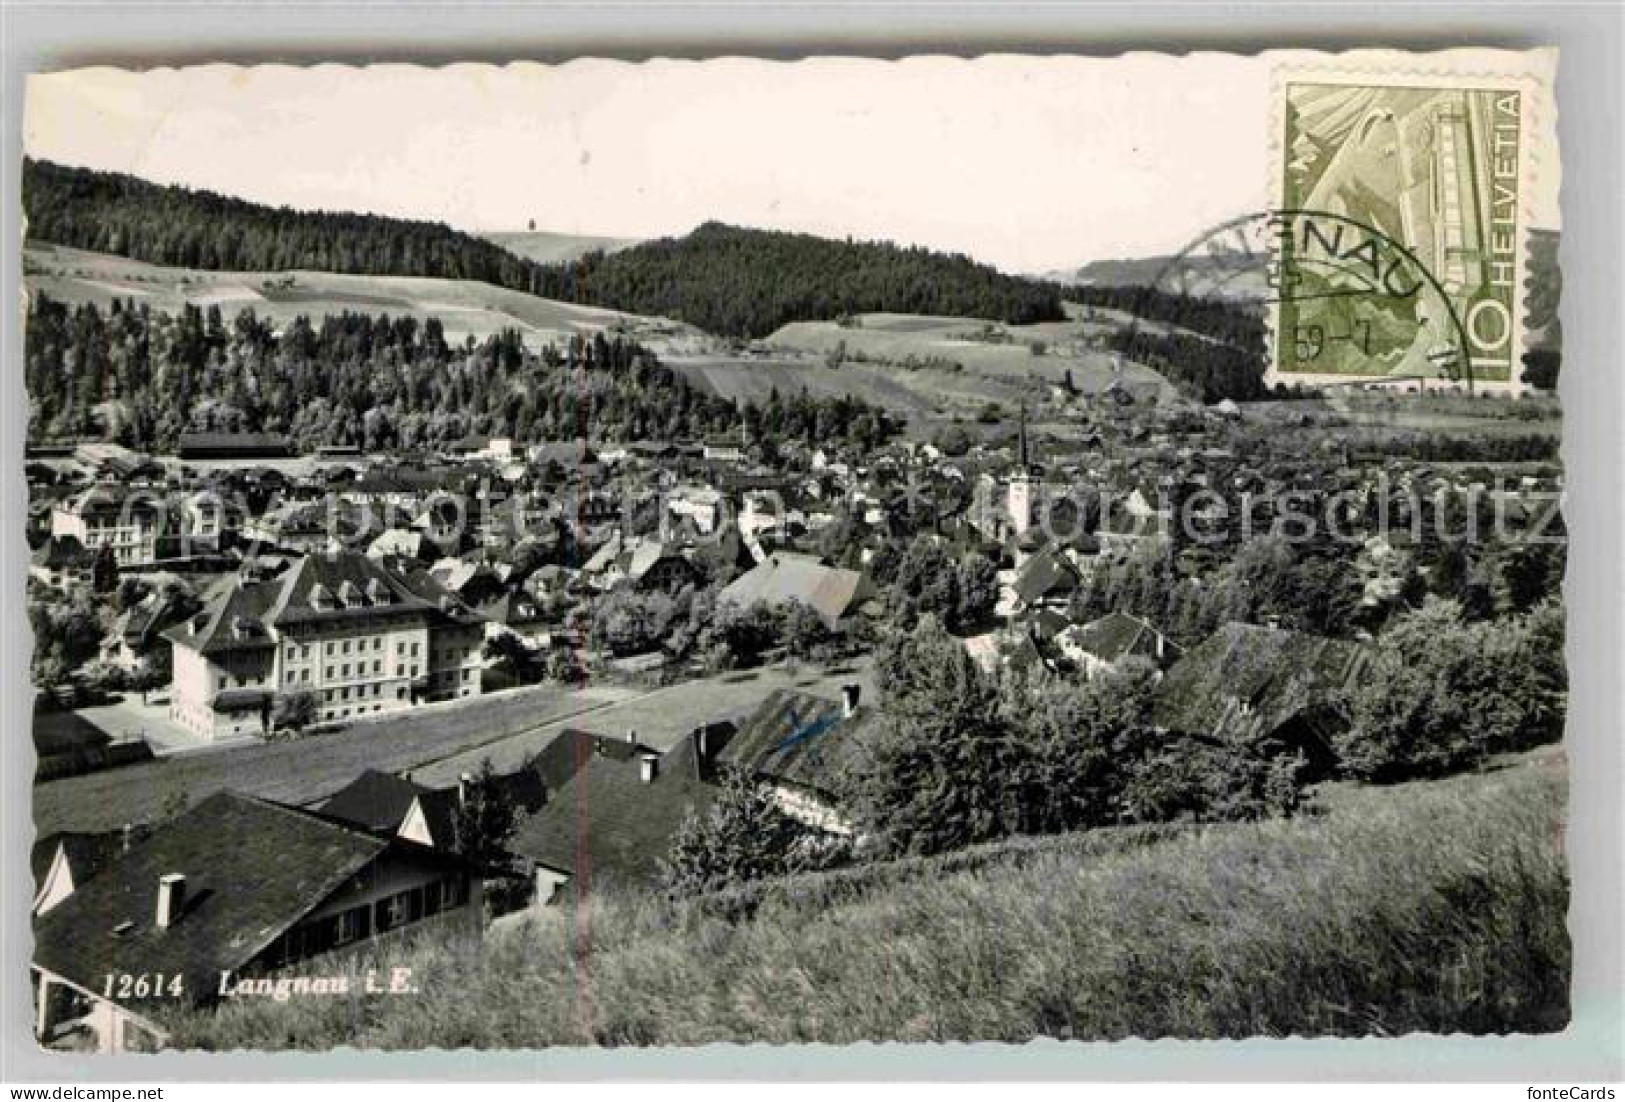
(1391, 181)
(1350, 295)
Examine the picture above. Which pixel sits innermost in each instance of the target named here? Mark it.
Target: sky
(1029, 163)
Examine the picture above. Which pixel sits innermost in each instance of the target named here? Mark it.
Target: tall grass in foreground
(1437, 907)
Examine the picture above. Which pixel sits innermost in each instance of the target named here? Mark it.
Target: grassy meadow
(1435, 907)
(464, 307)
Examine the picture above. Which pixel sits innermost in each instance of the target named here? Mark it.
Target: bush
(743, 836)
(1442, 695)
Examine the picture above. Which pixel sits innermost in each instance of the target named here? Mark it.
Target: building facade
(339, 626)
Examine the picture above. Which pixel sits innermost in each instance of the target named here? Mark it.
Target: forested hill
(727, 280)
(113, 213)
(747, 282)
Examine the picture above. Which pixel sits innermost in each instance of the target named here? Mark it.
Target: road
(434, 742)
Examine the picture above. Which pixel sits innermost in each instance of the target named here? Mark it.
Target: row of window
(295, 652)
(329, 696)
(321, 935)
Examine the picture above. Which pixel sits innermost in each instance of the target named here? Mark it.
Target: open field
(555, 248)
(745, 378)
(919, 368)
(1435, 907)
(465, 307)
(435, 742)
(997, 362)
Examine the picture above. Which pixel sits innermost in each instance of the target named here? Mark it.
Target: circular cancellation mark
(1345, 303)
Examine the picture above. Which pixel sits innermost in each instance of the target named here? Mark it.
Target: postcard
(659, 553)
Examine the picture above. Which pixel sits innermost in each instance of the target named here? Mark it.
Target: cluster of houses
(367, 585)
(238, 890)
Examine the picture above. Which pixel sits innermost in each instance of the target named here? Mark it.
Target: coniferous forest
(142, 377)
(726, 280)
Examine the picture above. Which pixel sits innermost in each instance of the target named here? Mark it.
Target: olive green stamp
(1400, 231)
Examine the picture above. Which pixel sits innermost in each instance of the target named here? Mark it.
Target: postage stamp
(1402, 242)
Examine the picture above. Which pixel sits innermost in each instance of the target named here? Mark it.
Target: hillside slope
(724, 279)
(1437, 907)
(465, 307)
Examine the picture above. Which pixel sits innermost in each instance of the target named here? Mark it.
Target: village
(285, 697)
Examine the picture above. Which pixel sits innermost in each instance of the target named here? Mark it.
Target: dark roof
(573, 748)
(87, 854)
(240, 443)
(253, 868)
(375, 800)
(380, 801)
(1045, 573)
(63, 552)
(513, 608)
(233, 620)
(1116, 635)
(1265, 677)
(333, 575)
(799, 738)
(607, 825)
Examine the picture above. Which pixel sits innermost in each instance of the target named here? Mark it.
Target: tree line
(142, 377)
(725, 279)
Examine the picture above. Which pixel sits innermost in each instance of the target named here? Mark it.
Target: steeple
(1023, 454)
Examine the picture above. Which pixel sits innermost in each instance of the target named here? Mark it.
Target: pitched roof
(301, 592)
(1263, 676)
(1045, 573)
(87, 854)
(784, 576)
(608, 825)
(63, 552)
(572, 748)
(514, 608)
(375, 800)
(253, 868)
(1114, 636)
(803, 739)
(232, 621)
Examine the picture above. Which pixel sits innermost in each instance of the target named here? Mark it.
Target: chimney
(849, 699)
(126, 837)
(465, 782)
(702, 744)
(649, 767)
(171, 899)
(631, 736)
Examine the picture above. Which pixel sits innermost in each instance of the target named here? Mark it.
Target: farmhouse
(63, 862)
(62, 562)
(613, 819)
(1047, 579)
(1101, 644)
(389, 804)
(1267, 682)
(234, 887)
(784, 577)
(801, 745)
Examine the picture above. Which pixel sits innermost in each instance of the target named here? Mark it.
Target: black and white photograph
(648, 554)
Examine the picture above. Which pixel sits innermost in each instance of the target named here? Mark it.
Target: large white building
(130, 522)
(345, 628)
